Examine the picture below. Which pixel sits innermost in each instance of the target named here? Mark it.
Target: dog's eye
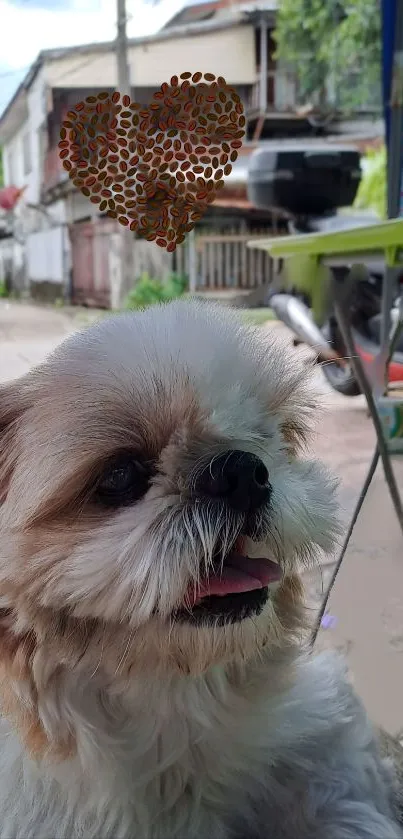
(123, 481)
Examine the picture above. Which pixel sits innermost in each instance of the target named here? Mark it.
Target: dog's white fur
(120, 721)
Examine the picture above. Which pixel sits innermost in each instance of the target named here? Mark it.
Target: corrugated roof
(194, 12)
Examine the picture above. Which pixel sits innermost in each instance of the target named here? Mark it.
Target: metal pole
(192, 262)
(263, 66)
(123, 71)
(396, 119)
(394, 171)
(121, 50)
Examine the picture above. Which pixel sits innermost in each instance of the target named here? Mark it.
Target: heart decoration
(157, 168)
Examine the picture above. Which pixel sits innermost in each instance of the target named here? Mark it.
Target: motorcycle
(311, 185)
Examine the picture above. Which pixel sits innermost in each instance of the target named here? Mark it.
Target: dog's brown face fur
(96, 581)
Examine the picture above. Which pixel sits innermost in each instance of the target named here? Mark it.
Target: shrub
(149, 291)
(371, 193)
(175, 286)
(3, 289)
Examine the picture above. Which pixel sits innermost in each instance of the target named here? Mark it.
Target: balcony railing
(284, 96)
(53, 171)
(282, 92)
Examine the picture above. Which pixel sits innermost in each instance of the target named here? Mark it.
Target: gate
(224, 262)
(90, 249)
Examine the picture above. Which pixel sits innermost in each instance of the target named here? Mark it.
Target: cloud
(25, 30)
(43, 4)
(29, 26)
(9, 82)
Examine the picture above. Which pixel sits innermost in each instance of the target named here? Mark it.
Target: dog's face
(152, 493)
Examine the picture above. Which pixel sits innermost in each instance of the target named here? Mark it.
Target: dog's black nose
(239, 478)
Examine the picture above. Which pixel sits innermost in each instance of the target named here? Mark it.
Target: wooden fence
(214, 261)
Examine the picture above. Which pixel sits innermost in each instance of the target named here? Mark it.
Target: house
(38, 251)
(64, 248)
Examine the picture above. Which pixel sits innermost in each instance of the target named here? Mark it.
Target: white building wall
(226, 52)
(37, 117)
(14, 170)
(40, 250)
(13, 152)
(44, 251)
(12, 263)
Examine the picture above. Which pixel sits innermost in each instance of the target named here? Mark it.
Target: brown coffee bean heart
(155, 168)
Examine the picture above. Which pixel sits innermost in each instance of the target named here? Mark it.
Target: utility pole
(123, 68)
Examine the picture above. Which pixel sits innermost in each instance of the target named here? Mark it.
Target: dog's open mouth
(237, 587)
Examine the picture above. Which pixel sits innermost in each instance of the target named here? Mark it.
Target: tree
(333, 41)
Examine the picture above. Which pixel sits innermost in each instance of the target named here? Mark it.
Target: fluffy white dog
(154, 512)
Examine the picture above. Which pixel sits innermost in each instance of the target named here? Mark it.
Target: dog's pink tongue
(239, 574)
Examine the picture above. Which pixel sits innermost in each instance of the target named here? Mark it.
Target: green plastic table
(385, 238)
(323, 263)
(309, 257)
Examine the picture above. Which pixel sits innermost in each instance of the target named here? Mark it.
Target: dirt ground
(366, 607)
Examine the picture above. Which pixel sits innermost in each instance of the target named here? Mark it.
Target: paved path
(27, 335)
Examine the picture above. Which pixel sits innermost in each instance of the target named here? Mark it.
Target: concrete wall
(45, 256)
(227, 52)
(12, 265)
(13, 149)
(40, 251)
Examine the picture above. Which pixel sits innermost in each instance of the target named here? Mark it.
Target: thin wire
(95, 56)
(364, 384)
(357, 510)
(15, 72)
(367, 391)
(89, 60)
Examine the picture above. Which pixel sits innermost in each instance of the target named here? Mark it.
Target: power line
(69, 53)
(86, 61)
(123, 73)
(15, 72)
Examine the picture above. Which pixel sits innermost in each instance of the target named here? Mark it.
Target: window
(26, 153)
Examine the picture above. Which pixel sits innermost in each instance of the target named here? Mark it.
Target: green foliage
(149, 291)
(3, 289)
(337, 39)
(372, 192)
(175, 286)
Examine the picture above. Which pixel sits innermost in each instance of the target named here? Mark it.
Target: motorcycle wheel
(341, 379)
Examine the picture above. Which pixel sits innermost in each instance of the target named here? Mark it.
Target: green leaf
(371, 193)
(149, 291)
(337, 39)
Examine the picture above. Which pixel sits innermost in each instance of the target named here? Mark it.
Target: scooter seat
(374, 330)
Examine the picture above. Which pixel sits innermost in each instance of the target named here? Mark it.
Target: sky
(28, 26)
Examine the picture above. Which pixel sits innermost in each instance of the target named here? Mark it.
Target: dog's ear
(18, 699)
(15, 399)
(31, 676)
(18, 646)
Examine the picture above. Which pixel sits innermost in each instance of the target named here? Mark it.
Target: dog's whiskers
(125, 653)
(93, 674)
